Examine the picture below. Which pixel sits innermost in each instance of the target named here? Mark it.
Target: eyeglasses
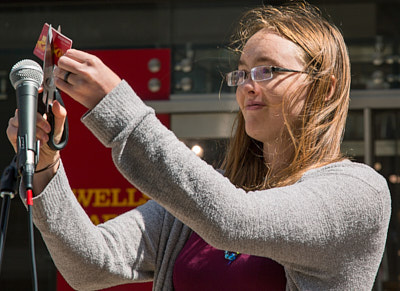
(260, 73)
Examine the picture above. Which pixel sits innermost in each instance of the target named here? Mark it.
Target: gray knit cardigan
(328, 230)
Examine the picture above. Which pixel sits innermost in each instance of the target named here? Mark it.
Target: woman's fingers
(78, 56)
(89, 79)
(42, 129)
(60, 114)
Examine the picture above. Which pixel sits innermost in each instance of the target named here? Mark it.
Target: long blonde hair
(317, 134)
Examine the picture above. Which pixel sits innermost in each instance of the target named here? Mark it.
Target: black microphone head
(26, 70)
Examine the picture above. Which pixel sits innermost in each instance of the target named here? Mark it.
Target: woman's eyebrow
(263, 59)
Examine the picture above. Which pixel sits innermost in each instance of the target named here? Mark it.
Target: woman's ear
(332, 88)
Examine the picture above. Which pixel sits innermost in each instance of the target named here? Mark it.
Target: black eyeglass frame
(251, 73)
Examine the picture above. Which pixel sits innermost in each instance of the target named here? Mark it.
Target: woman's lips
(254, 105)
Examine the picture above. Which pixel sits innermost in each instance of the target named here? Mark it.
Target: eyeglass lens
(235, 78)
(260, 73)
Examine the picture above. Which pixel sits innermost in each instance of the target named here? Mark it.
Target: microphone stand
(8, 191)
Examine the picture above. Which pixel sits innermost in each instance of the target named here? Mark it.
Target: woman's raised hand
(84, 77)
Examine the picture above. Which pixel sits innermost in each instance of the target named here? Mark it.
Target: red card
(61, 44)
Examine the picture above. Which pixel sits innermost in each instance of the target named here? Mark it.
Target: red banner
(98, 186)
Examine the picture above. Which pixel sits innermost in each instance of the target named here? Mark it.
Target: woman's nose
(250, 87)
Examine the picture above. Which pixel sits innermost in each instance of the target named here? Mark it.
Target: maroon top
(199, 266)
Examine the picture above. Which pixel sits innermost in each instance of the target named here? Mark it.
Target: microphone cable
(29, 202)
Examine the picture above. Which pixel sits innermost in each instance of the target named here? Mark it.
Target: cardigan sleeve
(119, 251)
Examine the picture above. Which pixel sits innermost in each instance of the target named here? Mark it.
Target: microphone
(26, 76)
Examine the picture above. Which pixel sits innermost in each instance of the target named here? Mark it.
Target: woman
(292, 213)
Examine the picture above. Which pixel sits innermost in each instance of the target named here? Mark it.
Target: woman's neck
(277, 154)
